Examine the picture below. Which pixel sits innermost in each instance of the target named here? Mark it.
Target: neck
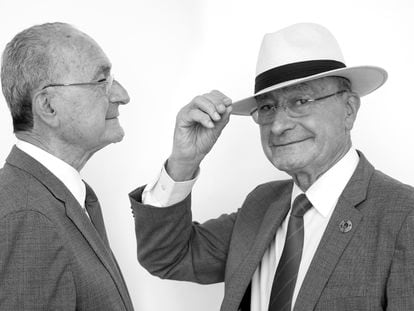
(72, 155)
(305, 178)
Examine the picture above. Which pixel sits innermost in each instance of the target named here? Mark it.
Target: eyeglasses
(295, 107)
(107, 82)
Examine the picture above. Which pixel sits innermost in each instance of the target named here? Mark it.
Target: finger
(225, 118)
(201, 117)
(225, 99)
(206, 105)
(217, 102)
(220, 100)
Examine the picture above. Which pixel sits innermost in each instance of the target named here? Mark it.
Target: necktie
(95, 214)
(288, 267)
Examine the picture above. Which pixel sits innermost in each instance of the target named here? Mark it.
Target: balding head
(34, 57)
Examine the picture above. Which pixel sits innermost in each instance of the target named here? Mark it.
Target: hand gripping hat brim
(304, 52)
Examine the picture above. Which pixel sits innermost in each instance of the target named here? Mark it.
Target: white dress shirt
(164, 191)
(323, 194)
(68, 175)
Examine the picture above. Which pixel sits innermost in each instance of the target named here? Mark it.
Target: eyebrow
(104, 69)
(302, 87)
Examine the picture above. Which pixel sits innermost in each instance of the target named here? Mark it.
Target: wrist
(180, 169)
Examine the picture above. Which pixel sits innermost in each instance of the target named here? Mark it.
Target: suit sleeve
(400, 285)
(170, 245)
(34, 266)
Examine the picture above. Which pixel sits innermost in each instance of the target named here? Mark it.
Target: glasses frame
(255, 114)
(109, 80)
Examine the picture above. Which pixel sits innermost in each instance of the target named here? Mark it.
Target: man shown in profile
(54, 251)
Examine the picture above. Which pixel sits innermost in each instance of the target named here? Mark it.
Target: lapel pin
(345, 226)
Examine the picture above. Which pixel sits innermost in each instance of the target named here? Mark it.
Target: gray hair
(26, 65)
(344, 83)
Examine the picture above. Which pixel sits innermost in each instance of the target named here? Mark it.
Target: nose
(282, 122)
(118, 94)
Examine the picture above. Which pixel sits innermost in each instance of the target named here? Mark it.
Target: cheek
(331, 127)
(264, 138)
(331, 138)
(85, 123)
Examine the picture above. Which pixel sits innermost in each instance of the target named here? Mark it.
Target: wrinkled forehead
(76, 54)
(312, 88)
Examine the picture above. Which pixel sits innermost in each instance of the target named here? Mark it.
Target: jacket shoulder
(381, 179)
(385, 187)
(388, 197)
(20, 191)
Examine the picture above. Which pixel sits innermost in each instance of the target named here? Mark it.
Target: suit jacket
(370, 267)
(51, 256)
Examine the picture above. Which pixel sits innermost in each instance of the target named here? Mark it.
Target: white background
(165, 52)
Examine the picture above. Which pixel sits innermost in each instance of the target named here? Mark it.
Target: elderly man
(337, 236)
(54, 251)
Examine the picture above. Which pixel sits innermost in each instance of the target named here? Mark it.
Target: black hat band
(294, 71)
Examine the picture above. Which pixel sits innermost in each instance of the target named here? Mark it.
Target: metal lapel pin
(345, 226)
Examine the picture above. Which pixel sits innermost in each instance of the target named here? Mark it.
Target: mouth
(288, 143)
(112, 117)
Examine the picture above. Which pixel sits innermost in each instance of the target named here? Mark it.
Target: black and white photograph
(203, 155)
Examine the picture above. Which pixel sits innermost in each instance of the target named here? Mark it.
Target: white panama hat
(304, 52)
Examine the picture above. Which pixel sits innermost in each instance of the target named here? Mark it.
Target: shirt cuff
(164, 191)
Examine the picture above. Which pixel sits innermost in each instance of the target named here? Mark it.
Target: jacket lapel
(265, 233)
(84, 225)
(334, 241)
(74, 212)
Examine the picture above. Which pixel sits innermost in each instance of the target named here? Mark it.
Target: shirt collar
(326, 190)
(68, 175)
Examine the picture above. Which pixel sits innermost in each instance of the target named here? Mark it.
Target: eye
(265, 108)
(301, 101)
(102, 80)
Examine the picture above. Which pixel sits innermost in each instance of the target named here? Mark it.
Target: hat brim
(364, 80)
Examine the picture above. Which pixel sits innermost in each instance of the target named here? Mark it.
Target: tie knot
(301, 205)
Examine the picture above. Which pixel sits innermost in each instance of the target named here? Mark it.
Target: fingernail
(210, 124)
(216, 116)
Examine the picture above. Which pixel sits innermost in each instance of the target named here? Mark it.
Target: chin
(289, 164)
(113, 137)
(118, 138)
(293, 157)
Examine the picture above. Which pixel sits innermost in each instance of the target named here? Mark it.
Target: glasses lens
(261, 116)
(298, 106)
(255, 116)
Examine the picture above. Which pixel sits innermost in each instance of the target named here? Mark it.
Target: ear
(44, 108)
(352, 107)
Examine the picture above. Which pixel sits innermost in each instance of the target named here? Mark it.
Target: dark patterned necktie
(288, 267)
(95, 213)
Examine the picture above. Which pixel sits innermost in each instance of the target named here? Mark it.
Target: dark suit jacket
(51, 256)
(371, 267)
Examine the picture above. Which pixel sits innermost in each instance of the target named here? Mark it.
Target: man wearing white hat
(337, 236)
